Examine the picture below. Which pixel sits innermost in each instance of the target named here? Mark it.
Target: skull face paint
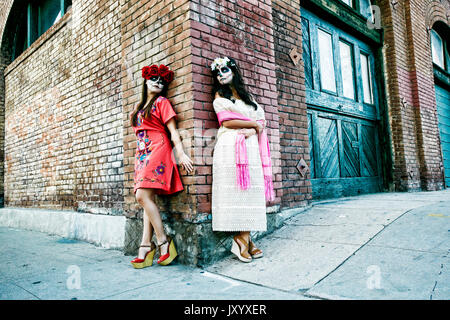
(225, 75)
(155, 84)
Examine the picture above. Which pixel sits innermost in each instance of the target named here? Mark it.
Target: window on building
(348, 76)
(340, 72)
(437, 49)
(365, 9)
(361, 6)
(327, 75)
(307, 54)
(366, 75)
(19, 33)
(31, 19)
(49, 13)
(348, 2)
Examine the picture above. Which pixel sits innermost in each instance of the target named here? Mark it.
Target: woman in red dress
(155, 171)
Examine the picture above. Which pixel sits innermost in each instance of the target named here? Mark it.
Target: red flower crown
(155, 71)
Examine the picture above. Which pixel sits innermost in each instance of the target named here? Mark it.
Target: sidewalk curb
(102, 230)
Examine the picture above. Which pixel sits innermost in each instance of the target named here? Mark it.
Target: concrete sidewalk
(39, 266)
(377, 246)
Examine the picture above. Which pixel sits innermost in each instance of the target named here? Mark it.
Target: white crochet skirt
(234, 209)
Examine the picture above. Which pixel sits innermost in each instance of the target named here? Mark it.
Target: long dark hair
(238, 83)
(148, 108)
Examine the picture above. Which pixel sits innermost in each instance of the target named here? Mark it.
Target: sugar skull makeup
(224, 72)
(225, 75)
(155, 84)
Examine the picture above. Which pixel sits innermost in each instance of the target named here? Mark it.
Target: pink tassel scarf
(242, 170)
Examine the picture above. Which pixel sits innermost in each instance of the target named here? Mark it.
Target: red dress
(155, 166)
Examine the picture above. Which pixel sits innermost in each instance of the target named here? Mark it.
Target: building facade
(356, 94)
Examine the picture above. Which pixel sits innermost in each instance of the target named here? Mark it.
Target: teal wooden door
(443, 110)
(342, 110)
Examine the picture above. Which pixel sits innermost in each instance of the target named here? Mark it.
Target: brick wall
(242, 30)
(410, 91)
(63, 144)
(96, 103)
(155, 32)
(5, 8)
(37, 143)
(79, 82)
(158, 32)
(291, 101)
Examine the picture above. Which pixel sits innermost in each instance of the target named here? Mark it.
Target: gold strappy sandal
(254, 251)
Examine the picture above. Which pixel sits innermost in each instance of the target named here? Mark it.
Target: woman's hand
(183, 159)
(247, 132)
(259, 127)
(186, 162)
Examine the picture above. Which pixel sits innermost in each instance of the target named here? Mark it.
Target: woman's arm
(236, 124)
(240, 124)
(183, 159)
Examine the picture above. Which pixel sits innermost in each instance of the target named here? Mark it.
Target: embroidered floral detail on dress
(140, 115)
(152, 180)
(158, 172)
(160, 169)
(139, 118)
(144, 149)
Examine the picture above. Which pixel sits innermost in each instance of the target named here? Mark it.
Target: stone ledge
(102, 230)
(197, 244)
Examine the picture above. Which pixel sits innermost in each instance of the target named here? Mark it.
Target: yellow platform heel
(148, 259)
(166, 259)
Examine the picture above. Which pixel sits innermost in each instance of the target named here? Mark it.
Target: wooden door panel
(368, 151)
(350, 143)
(341, 146)
(329, 149)
(311, 146)
(342, 125)
(443, 111)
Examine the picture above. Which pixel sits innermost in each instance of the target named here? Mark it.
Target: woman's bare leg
(147, 235)
(246, 237)
(252, 249)
(146, 198)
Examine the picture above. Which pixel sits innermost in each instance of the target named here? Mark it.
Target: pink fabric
(266, 161)
(242, 172)
(228, 115)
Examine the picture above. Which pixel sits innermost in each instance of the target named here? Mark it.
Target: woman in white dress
(242, 175)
